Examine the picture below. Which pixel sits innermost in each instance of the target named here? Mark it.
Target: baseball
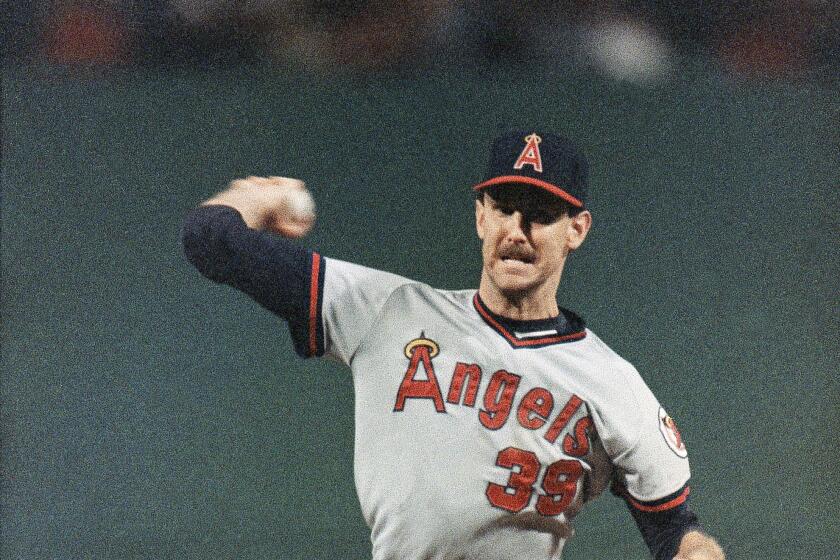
(300, 204)
(299, 214)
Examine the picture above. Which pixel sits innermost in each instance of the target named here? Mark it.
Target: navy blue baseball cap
(539, 159)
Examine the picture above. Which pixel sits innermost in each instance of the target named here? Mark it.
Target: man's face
(526, 236)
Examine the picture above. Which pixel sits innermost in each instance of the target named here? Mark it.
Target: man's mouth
(517, 255)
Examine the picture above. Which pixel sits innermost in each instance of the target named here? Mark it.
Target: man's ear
(479, 216)
(579, 226)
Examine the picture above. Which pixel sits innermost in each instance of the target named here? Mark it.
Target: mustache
(517, 252)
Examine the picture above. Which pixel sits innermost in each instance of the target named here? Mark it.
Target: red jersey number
(525, 468)
(559, 483)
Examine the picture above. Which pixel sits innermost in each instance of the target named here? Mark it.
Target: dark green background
(147, 413)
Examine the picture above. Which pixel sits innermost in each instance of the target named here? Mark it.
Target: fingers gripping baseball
(278, 204)
(293, 209)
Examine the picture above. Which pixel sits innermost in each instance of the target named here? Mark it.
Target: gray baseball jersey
(478, 436)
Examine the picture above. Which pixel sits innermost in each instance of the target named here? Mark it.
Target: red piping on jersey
(670, 504)
(545, 185)
(313, 304)
(515, 341)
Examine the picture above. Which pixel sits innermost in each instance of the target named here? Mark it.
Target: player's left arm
(652, 473)
(673, 533)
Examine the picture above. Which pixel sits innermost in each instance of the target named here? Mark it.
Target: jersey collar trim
(568, 327)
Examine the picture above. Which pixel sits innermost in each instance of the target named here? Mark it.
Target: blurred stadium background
(148, 414)
(780, 39)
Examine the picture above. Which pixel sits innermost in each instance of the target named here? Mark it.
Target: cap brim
(544, 185)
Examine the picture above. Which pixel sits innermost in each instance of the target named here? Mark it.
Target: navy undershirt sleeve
(663, 530)
(274, 271)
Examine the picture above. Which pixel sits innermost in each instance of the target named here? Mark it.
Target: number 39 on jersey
(559, 482)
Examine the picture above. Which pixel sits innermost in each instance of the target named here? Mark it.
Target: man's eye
(544, 217)
(507, 210)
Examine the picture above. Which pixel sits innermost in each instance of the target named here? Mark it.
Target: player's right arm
(242, 237)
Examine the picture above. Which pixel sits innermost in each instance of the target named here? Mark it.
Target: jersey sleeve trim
(663, 504)
(663, 531)
(316, 299)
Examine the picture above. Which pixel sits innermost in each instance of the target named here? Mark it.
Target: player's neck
(519, 306)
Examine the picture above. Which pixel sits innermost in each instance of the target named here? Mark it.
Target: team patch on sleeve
(671, 433)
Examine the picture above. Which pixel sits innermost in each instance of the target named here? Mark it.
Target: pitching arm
(329, 304)
(274, 271)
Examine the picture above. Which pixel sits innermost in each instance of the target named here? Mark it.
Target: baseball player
(485, 419)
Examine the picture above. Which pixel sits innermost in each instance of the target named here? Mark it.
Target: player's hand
(698, 546)
(277, 204)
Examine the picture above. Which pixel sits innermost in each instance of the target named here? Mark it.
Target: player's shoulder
(445, 299)
(396, 286)
(611, 385)
(607, 361)
(339, 267)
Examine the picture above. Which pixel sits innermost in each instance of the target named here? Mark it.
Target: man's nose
(516, 226)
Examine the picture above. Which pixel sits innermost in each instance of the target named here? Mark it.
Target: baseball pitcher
(487, 418)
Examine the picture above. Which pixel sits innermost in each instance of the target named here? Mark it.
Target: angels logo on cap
(547, 161)
(530, 154)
